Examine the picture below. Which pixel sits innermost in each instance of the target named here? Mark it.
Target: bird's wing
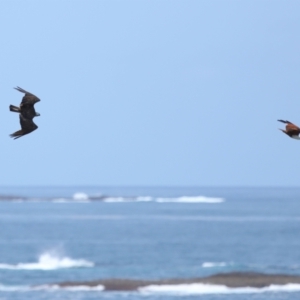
(285, 121)
(29, 98)
(27, 126)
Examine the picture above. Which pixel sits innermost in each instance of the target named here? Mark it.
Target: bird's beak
(37, 114)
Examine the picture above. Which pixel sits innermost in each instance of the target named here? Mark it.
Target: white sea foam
(144, 199)
(13, 288)
(69, 200)
(128, 199)
(115, 199)
(48, 287)
(184, 199)
(50, 261)
(61, 200)
(80, 197)
(200, 288)
(195, 199)
(83, 288)
(213, 264)
(17, 200)
(179, 289)
(83, 197)
(68, 288)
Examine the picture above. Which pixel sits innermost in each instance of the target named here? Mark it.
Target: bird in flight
(291, 130)
(26, 113)
(27, 126)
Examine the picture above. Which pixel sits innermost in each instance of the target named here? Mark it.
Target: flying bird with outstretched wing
(27, 126)
(27, 105)
(26, 112)
(291, 130)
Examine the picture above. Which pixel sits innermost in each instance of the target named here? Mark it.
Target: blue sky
(151, 92)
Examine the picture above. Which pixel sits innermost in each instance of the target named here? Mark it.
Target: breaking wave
(68, 288)
(116, 199)
(168, 289)
(80, 197)
(196, 199)
(13, 288)
(128, 199)
(214, 264)
(144, 199)
(200, 288)
(184, 199)
(49, 261)
(47, 287)
(61, 200)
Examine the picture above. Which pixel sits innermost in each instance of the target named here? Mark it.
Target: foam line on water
(46, 287)
(191, 199)
(200, 288)
(214, 264)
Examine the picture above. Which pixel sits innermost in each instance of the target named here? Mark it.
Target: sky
(152, 92)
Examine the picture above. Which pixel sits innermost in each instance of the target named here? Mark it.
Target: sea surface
(50, 235)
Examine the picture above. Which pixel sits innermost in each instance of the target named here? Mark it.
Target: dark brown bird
(27, 126)
(26, 112)
(291, 130)
(27, 105)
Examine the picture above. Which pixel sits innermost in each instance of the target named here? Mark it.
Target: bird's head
(36, 99)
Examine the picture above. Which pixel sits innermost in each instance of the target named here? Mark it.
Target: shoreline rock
(231, 280)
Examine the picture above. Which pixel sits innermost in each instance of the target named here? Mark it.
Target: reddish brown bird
(291, 130)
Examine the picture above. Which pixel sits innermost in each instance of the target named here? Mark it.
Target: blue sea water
(58, 235)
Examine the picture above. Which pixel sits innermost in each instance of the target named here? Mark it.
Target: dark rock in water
(250, 279)
(232, 280)
(112, 284)
(11, 198)
(98, 198)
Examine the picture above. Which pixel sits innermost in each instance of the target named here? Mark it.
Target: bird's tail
(286, 122)
(17, 134)
(14, 108)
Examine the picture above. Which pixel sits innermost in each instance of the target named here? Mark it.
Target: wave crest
(201, 288)
(195, 199)
(49, 261)
(214, 264)
(80, 197)
(47, 287)
(183, 199)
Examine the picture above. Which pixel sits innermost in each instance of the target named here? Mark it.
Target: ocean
(55, 235)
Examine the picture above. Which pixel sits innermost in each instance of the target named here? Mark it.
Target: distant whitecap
(77, 288)
(50, 261)
(128, 199)
(191, 199)
(60, 200)
(115, 199)
(144, 199)
(49, 287)
(213, 264)
(80, 197)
